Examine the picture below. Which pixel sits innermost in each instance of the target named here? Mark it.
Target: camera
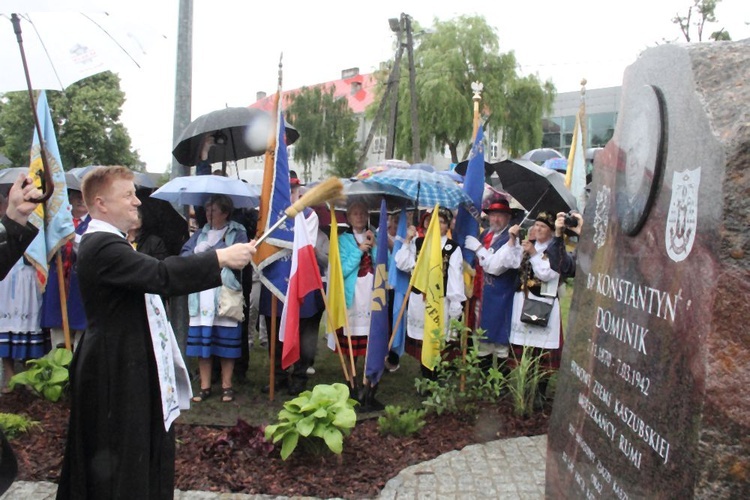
(570, 220)
(220, 138)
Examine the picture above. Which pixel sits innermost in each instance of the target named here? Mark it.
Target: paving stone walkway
(504, 469)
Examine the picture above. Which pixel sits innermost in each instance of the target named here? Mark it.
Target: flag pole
(400, 316)
(348, 333)
(272, 371)
(477, 88)
(329, 320)
(63, 301)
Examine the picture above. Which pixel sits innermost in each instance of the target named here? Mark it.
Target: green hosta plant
(317, 419)
(12, 424)
(47, 376)
(396, 423)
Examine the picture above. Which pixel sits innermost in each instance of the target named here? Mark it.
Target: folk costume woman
(209, 333)
(357, 250)
(406, 259)
(21, 337)
(538, 282)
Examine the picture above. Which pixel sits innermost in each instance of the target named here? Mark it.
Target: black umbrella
(537, 189)
(463, 165)
(160, 218)
(230, 128)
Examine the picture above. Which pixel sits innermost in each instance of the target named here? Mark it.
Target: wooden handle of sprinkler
(329, 189)
(273, 228)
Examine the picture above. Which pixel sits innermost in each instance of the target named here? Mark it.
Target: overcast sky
(237, 43)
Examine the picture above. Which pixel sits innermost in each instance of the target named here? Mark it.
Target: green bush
(523, 381)
(12, 425)
(318, 420)
(47, 376)
(460, 383)
(396, 423)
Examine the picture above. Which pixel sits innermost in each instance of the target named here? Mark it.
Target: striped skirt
(221, 341)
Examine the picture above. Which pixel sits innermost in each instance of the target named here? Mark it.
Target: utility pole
(393, 81)
(183, 90)
(182, 108)
(412, 92)
(390, 96)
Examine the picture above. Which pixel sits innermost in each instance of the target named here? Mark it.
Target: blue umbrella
(452, 175)
(195, 190)
(557, 164)
(368, 193)
(425, 187)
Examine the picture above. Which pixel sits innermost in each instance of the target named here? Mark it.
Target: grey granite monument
(653, 397)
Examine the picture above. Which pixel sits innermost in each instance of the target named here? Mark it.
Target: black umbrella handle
(48, 187)
(526, 217)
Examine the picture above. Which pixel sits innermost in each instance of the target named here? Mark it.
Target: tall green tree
(327, 128)
(698, 14)
(87, 124)
(448, 58)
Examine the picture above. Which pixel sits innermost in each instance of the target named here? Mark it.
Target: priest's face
(120, 205)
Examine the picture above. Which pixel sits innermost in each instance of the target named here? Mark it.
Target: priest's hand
(236, 256)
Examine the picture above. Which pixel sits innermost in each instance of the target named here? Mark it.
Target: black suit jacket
(13, 243)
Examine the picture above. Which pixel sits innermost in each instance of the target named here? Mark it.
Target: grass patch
(254, 407)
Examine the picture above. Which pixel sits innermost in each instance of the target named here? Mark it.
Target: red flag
(304, 277)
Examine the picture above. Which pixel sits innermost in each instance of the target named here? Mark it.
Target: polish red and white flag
(304, 278)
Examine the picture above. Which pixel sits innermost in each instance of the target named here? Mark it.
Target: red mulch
(368, 461)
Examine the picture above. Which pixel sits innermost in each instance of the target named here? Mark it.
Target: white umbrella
(44, 45)
(64, 47)
(196, 189)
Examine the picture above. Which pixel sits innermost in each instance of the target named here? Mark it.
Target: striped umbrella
(425, 187)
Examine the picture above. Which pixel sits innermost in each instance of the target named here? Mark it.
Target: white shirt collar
(99, 226)
(541, 247)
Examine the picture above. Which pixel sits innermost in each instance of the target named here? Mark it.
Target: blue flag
(377, 343)
(399, 282)
(53, 217)
(273, 258)
(466, 223)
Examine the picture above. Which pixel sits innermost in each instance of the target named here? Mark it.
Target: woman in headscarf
(209, 333)
(357, 250)
(538, 282)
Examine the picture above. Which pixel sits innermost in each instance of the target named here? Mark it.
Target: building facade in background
(602, 106)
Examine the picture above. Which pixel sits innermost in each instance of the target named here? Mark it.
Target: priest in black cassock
(128, 379)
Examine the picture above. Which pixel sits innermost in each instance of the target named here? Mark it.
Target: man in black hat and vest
(498, 257)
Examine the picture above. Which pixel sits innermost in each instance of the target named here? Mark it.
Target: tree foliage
(87, 124)
(698, 14)
(448, 59)
(327, 128)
